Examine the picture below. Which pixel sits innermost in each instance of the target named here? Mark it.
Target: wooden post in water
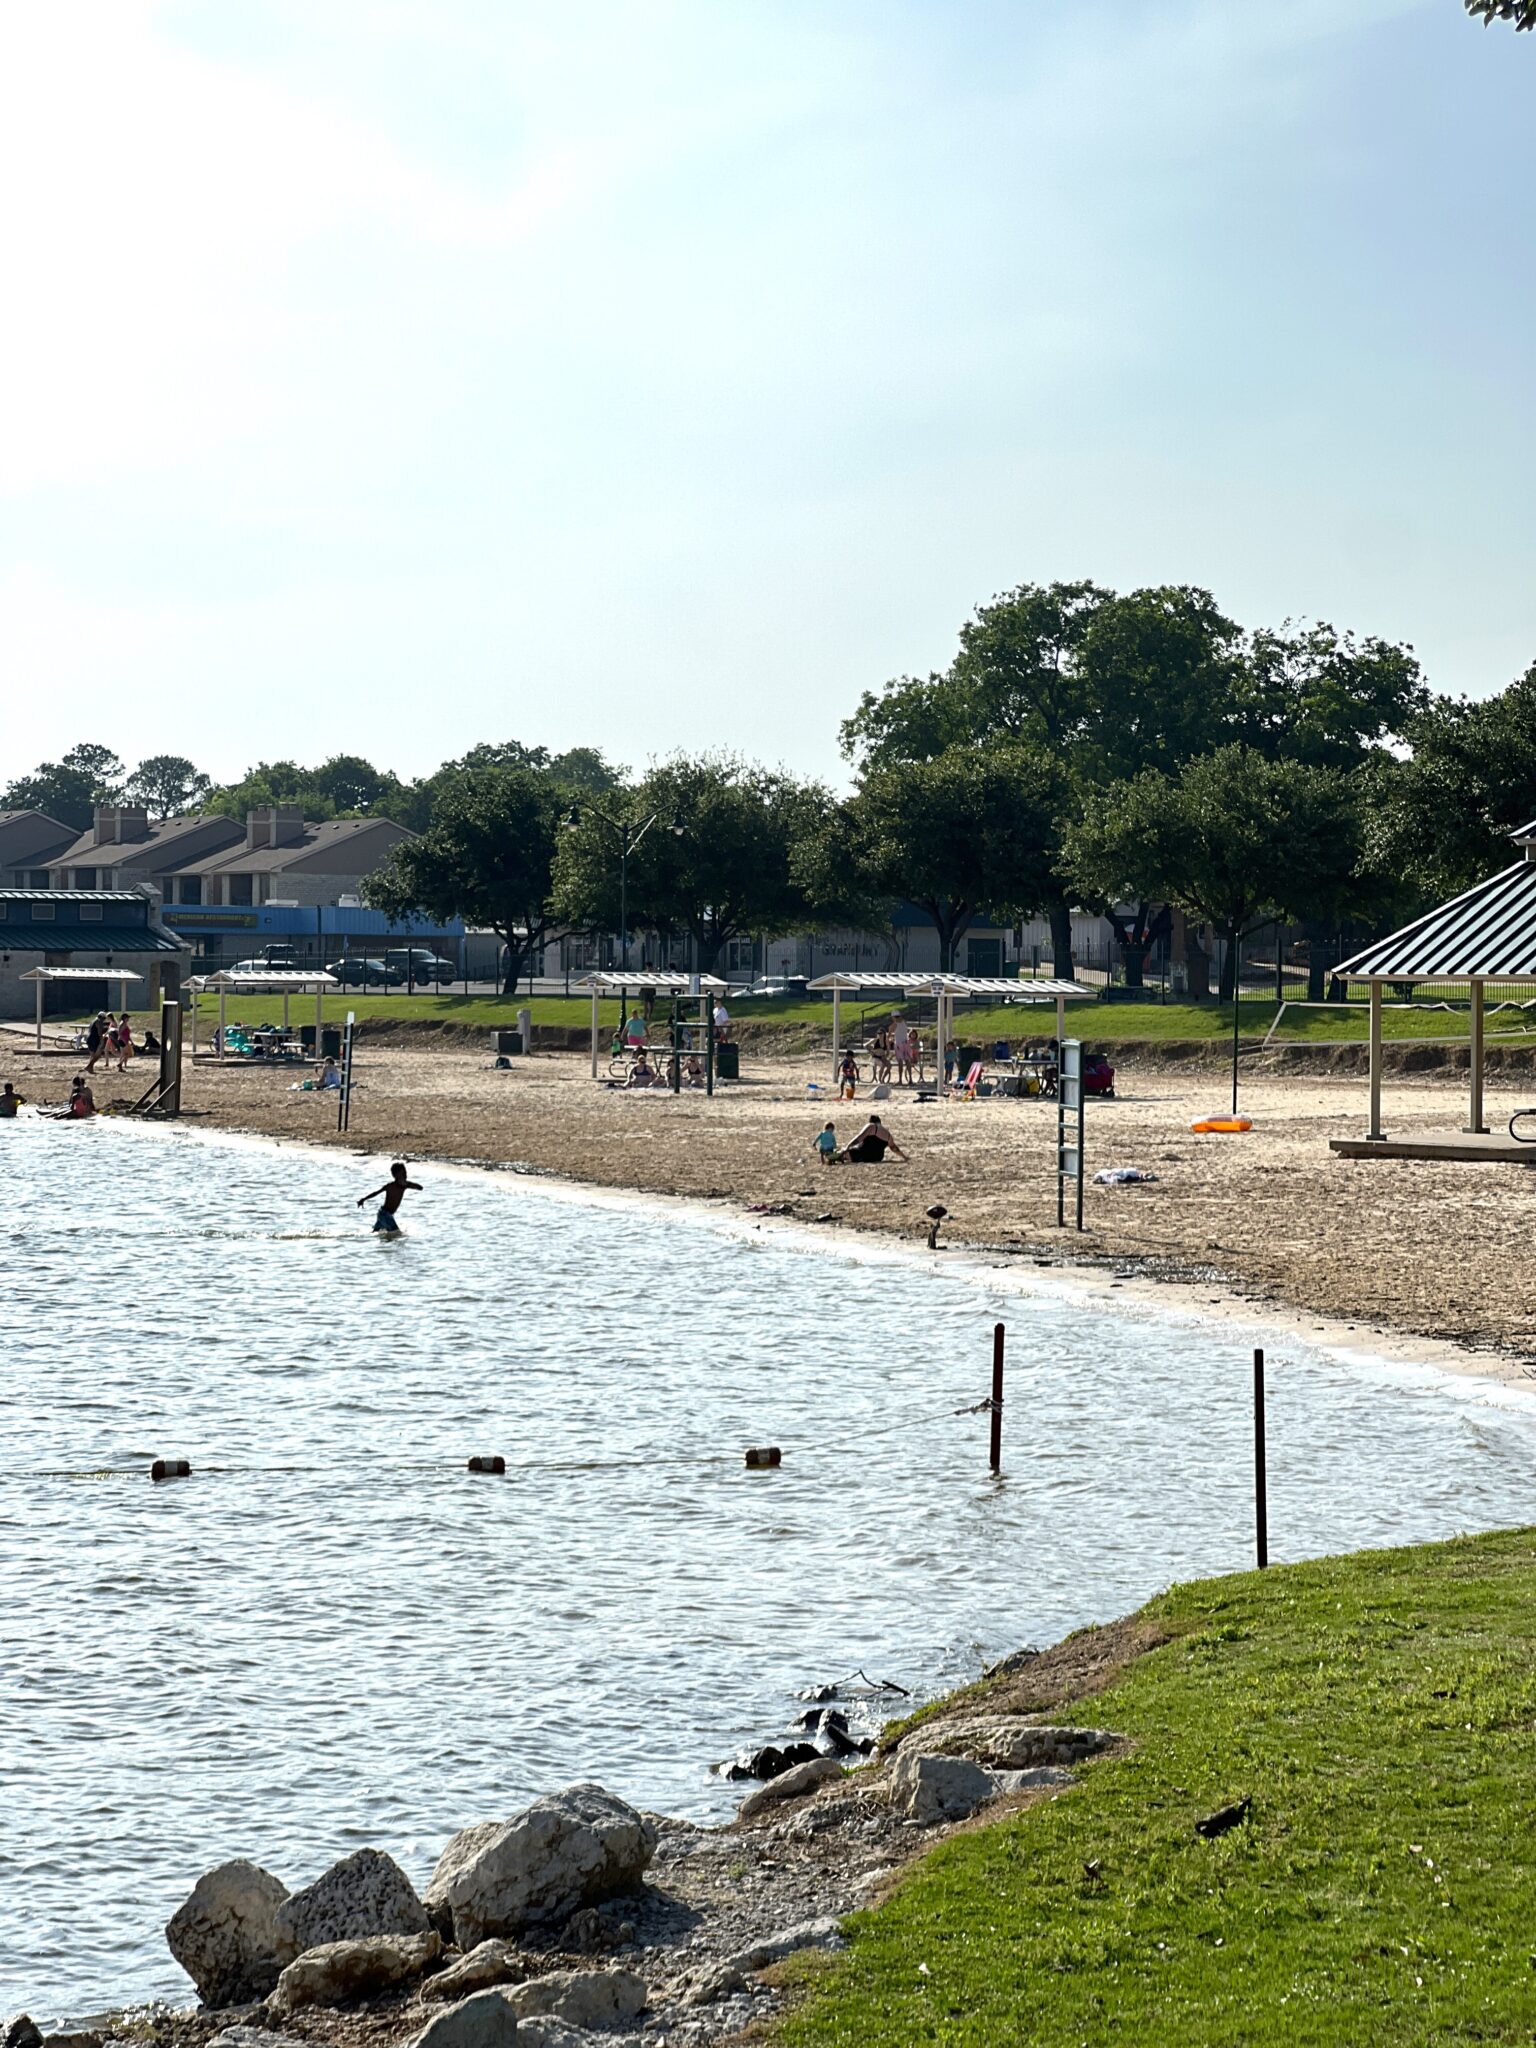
(997, 1397)
(1260, 1478)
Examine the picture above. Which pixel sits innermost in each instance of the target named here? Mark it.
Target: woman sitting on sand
(641, 1074)
(871, 1145)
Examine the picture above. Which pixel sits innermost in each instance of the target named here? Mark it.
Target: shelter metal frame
(947, 990)
(607, 982)
(277, 983)
(38, 976)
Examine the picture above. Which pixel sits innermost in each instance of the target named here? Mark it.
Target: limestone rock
(483, 2020)
(365, 1893)
(711, 1985)
(937, 1788)
(827, 1932)
(1032, 1780)
(582, 1998)
(254, 2037)
(339, 1971)
(1013, 1745)
(224, 1935)
(792, 1784)
(492, 1962)
(564, 1851)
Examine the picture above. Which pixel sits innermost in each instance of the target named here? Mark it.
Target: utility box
(509, 1042)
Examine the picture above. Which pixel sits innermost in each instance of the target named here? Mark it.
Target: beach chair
(967, 1089)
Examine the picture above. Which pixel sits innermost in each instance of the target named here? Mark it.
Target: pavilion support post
(837, 1032)
(941, 1036)
(1375, 1130)
(193, 994)
(1475, 1064)
(223, 998)
(594, 1034)
(39, 988)
(285, 1013)
(319, 1013)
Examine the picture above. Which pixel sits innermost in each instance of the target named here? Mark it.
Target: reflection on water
(334, 1634)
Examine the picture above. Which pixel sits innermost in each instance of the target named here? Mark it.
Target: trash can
(330, 1042)
(307, 1040)
(509, 1042)
(728, 1061)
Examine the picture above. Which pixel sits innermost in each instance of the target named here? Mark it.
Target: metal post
(1475, 1062)
(222, 1033)
(624, 898)
(1237, 1006)
(39, 987)
(997, 1397)
(837, 1034)
(594, 1030)
(1260, 1481)
(344, 1101)
(677, 1054)
(709, 1043)
(1375, 1130)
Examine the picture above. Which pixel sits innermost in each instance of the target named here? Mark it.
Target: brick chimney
(274, 825)
(120, 824)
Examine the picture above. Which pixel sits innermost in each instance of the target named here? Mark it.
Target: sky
(387, 375)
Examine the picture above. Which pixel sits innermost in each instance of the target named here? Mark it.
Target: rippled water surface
(334, 1634)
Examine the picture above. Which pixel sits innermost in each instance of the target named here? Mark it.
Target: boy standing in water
(393, 1192)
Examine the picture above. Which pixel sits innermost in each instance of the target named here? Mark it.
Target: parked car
(778, 985)
(271, 960)
(356, 972)
(420, 963)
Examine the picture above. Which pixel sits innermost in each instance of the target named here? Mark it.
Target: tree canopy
(167, 785)
(68, 789)
(1521, 12)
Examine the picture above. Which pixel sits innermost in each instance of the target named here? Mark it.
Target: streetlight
(629, 837)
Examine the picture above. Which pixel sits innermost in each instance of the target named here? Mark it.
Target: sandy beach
(1415, 1257)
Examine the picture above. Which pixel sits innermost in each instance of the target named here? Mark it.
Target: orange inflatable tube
(1223, 1123)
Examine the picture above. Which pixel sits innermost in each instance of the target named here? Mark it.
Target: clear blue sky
(386, 375)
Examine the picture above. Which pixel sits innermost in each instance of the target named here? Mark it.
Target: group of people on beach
(108, 1038)
(867, 1149)
(82, 1102)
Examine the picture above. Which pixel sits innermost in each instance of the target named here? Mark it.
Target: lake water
(333, 1634)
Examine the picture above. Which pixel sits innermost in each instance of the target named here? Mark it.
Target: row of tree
(1131, 753)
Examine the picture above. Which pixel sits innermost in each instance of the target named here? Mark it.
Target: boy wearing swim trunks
(393, 1192)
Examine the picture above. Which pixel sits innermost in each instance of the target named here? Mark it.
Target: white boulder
(791, 1784)
(224, 1934)
(365, 1893)
(562, 1852)
(490, 1962)
(938, 1788)
(337, 1972)
(581, 1998)
(483, 2020)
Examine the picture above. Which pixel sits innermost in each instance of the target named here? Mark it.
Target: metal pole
(837, 1031)
(594, 1031)
(1375, 1130)
(624, 897)
(39, 987)
(709, 1044)
(1082, 1103)
(1260, 1482)
(997, 1397)
(1475, 1062)
(1237, 1005)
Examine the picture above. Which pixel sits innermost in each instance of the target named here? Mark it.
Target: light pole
(629, 836)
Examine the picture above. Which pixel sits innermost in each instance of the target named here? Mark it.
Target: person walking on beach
(393, 1192)
(97, 1039)
(123, 1040)
(902, 1047)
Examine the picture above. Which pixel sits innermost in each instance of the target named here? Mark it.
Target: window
(738, 955)
(240, 889)
(85, 878)
(42, 913)
(190, 889)
(37, 879)
(90, 913)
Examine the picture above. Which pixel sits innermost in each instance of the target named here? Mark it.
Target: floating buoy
(497, 1465)
(1223, 1123)
(759, 1460)
(170, 1468)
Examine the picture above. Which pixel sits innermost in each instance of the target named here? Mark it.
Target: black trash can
(307, 1040)
(330, 1041)
(728, 1061)
(509, 1042)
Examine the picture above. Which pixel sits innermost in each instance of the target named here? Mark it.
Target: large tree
(167, 785)
(487, 857)
(716, 864)
(971, 832)
(71, 788)
(1445, 814)
(1521, 12)
(1235, 839)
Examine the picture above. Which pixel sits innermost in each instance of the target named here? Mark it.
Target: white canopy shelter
(39, 975)
(946, 989)
(277, 983)
(610, 983)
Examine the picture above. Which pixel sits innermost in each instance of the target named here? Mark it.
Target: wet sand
(1269, 1221)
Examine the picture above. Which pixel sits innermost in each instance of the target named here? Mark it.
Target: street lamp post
(629, 837)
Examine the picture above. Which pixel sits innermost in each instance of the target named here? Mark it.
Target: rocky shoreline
(581, 1922)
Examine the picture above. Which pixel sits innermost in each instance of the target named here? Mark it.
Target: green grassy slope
(1381, 1712)
(1105, 1023)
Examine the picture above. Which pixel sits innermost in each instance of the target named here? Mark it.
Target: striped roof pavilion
(1488, 933)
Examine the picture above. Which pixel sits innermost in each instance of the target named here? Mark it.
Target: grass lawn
(1110, 1023)
(1379, 1709)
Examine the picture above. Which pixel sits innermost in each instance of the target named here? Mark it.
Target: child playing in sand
(826, 1144)
(393, 1192)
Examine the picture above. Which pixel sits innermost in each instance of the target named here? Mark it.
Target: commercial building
(84, 929)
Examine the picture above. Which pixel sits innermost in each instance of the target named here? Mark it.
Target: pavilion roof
(611, 980)
(1017, 988)
(1488, 933)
